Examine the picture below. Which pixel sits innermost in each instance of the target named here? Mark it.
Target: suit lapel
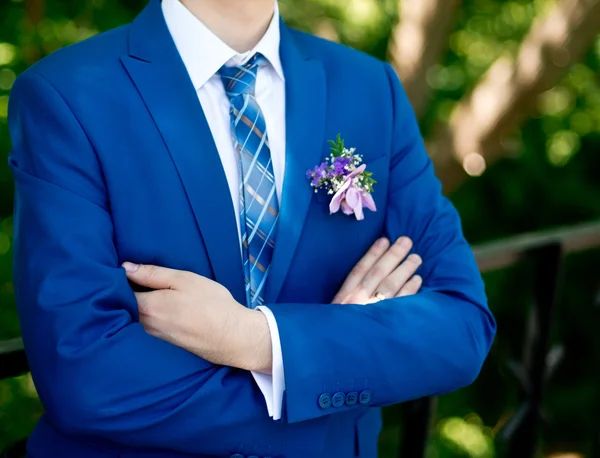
(161, 78)
(305, 128)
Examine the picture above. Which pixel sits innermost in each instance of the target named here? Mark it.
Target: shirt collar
(203, 53)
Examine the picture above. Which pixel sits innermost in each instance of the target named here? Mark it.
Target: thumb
(153, 277)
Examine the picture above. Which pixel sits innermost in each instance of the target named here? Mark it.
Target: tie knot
(241, 79)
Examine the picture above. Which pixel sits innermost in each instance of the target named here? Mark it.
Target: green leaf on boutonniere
(337, 146)
(367, 181)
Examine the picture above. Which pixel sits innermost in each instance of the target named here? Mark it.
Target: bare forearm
(251, 347)
(202, 317)
(244, 342)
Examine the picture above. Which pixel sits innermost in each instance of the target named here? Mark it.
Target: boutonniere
(344, 177)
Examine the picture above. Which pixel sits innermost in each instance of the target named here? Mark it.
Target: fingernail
(415, 258)
(405, 242)
(130, 266)
(382, 242)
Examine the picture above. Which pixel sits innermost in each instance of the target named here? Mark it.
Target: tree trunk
(510, 88)
(418, 42)
(35, 11)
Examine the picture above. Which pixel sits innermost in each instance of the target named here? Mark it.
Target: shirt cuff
(272, 386)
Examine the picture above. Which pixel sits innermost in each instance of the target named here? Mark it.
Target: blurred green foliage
(550, 178)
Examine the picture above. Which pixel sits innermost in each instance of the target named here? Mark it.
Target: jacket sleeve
(404, 348)
(98, 373)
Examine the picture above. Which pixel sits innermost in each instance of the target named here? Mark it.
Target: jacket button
(338, 399)
(325, 401)
(365, 397)
(351, 398)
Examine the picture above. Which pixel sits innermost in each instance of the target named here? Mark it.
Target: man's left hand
(201, 316)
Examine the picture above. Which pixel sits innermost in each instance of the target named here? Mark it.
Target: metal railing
(545, 250)
(520, 434)
(13, 363)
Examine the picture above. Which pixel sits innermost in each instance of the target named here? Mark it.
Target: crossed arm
(200, 316)
(90, 356)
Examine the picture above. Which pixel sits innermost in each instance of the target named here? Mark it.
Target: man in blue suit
(182, 289)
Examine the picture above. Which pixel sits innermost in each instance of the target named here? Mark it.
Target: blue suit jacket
(113, 160)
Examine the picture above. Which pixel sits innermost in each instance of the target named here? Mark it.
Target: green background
(551, 178)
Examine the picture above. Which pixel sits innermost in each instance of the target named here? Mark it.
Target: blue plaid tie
(259, 208)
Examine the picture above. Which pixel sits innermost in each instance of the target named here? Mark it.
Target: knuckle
(398, 251)
(144, 308)
(148, 304)
(346, 299)
(361, 288)
(360, 270)
(376, 272)
(388, 286)
(151, 272)
(370, 257)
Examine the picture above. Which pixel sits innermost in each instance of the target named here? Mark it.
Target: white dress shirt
(203, 54)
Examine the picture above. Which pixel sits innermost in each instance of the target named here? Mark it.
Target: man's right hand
(384, 271)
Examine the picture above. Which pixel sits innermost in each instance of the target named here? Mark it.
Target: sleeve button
(325, 401)
(365, 397)
(338, 399)
(351, 398)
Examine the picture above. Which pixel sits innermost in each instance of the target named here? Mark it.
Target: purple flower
(340, 172)
(340, 164)
(352, 199)
(317, 174)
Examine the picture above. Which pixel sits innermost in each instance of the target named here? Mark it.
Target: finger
(155, 302)
(144, 301)
(411, 287)
(394, 282)
(153, 277)
(374, 300)
(363, 266)
(385, 265)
